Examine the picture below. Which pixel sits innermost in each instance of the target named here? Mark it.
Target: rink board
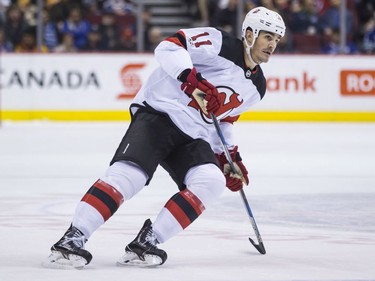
(100, 87)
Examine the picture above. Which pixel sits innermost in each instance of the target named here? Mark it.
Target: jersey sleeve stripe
(178, 39)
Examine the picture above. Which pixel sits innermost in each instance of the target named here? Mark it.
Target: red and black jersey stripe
(185, 207)
(104, 198)
(178, 38)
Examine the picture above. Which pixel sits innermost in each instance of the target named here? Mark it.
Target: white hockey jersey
(219, 57)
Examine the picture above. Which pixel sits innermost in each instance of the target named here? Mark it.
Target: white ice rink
(312, 194)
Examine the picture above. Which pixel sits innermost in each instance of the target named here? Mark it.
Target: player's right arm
(176, 55)
(173, 56)
(186, 48)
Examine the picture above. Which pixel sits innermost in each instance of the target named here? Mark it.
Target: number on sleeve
(200, 43)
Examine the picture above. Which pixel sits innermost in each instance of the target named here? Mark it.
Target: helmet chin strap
(248, 47)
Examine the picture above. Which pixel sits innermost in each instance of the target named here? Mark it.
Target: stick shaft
(224, 144)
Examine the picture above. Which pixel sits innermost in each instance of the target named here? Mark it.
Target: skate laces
(150, 238)
(76, 238)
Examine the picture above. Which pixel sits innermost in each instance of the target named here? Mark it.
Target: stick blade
(259, 247)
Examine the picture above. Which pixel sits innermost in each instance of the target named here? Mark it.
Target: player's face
(264, 46)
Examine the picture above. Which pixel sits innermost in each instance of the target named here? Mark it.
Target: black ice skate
(142, 250)
(69, 251)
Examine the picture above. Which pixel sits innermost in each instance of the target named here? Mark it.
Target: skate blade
(131, 259)
(57, 261)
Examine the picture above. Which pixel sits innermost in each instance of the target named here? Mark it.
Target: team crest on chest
(228, 101)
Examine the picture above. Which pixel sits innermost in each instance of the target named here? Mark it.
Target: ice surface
(312, 194)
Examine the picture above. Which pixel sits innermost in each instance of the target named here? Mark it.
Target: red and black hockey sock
(104, 198)
(185, 206)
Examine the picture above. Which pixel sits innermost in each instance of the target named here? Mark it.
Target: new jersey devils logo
(228, 101)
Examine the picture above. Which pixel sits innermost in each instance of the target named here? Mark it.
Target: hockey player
(171, 126)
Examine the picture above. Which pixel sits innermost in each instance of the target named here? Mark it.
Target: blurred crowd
(68, 26)
(313, 26)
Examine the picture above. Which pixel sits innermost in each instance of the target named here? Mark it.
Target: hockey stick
(260, 246)
(200, 97)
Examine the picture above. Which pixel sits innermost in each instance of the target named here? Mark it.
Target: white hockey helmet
(261, 18)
